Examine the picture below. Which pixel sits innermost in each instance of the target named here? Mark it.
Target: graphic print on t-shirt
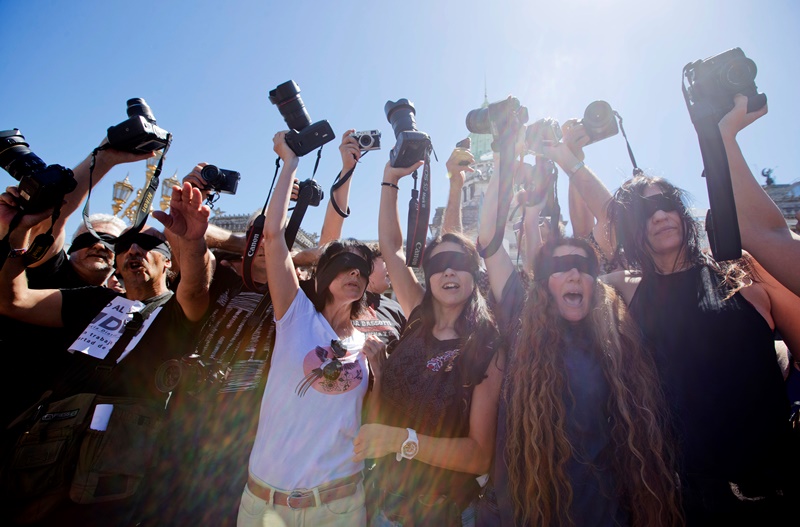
(445, 359)
(350, 375)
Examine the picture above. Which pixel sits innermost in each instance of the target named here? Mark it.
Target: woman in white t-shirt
(301, 470)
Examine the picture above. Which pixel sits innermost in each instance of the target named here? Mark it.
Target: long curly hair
(476, 322)
(634, 249)
(538, 447)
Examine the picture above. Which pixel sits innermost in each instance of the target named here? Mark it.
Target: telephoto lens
(287, 98)
(400, 115)
(139, 107)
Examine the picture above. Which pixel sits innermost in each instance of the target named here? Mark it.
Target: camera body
(190, 373)
(412, 145)
(303, 136)
(714, 81)
(139, 133)
(41, 186)
(317, 194)
(368, 140)
(546, 129)
(599, 121)
(503, 119)
(221, 180)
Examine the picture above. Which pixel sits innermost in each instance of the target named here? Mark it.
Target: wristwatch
(410, 446)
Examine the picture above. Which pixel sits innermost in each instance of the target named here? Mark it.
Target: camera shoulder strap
(419, 212)
(255, 232)
(40, 244)
(636, 170)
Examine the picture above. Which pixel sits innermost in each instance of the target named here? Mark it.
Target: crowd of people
(618, 376)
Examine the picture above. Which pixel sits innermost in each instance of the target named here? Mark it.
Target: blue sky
(206, 68)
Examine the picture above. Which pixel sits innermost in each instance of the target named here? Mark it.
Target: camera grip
(756, 102)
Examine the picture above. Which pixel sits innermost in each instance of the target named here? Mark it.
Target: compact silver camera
(368, 140)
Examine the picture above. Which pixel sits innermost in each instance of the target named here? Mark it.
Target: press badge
(107, 327)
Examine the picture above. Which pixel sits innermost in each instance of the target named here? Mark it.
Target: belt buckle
(295, 494)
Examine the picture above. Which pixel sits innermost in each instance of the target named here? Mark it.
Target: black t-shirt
(135, 375)
(35, 353)
(212, 425)
(384, 318)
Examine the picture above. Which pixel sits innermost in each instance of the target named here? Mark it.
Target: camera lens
(400, 115)
(598, 115)
(139, 107)
(15, 156)
(211, 174)
(365, 141)
(739, 74)
(478, 121)
(287, 97)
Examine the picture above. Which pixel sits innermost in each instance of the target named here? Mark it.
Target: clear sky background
(206, 68)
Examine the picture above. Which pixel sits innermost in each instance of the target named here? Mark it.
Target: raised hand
(738, 118)
(575, 137)
(281, 148)
(188, 216)
(350, 151)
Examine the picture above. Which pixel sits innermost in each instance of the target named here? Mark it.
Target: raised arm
(187, 222)
(281, 275)
(762, 227)
(390, 237)
(332, 226)
(498, 265)
(34, 306)
(105, 161)
(457, 167)
(569, 156)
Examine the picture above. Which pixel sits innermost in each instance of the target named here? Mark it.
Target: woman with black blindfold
(712, 327)
(435, 397)
(579, 432)
(301, 470)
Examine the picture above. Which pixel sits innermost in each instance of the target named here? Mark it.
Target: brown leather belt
(302, 499)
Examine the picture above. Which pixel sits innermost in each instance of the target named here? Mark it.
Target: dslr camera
(411, 145)
(711, 84)
(317, 194)
(368, 140)
(41, 186)
(220, 180)
(503, 119)
(139, 133)
(546, 129)
(303, 136)
(599, 121)
(191, 373)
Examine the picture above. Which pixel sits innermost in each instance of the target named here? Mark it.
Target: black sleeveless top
(421, 388)
(716, 360)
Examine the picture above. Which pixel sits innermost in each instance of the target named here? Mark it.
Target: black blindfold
(343, 261)
(646, 207)
(455, 260)
(145, 241)
(87, 239)
(560, 264)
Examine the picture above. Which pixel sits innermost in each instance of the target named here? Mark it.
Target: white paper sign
(107, 327)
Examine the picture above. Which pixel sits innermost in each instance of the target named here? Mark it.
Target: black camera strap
(337, 183)
(505, 194)
(256, 230)
(143, 212)
(636, 170)
(419, 213)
